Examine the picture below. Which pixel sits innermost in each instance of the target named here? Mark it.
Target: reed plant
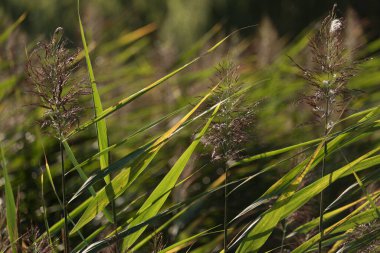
(330, 96)
(50, 69)
(255, 184)
(231, 129)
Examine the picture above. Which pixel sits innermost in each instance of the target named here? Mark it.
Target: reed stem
(65, 229)
(321, 207)
(225, 218)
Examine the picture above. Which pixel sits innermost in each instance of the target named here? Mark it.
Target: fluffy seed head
(51, 71)
(231, 128)
(336, 25)
(332, 70)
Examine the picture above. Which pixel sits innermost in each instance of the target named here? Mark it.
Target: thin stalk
(225, 217)
(65, 229)
(225, 222)
(113, 209)
(115, 223)
(44, 210)
(321, 211)
(283, 236)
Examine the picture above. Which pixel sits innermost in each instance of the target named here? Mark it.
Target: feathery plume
(50, 68)
(333, 68)
(230, 129)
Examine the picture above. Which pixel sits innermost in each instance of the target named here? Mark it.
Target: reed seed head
(333, 68)
(230, 129)
(34, 242)
(51, 71)
(157, 243)
(365, 232)
(335, 26)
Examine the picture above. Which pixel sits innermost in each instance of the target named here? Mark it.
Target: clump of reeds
(328, 79)
(50, 69)
(230, 129)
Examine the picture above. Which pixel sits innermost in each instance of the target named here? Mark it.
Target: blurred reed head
(157, 243)
(51, 69)
(33, 242)
(267, 43)
(332, 69)
(230, 129)
(365, 232)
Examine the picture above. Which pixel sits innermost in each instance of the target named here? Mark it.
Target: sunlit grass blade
(77, 211)
(128, 38)
(47, 228)
(299, 145)
(7, 85)
(147, 238)
(101, 127)
(185, 242)
(159, 195)
(355, 218)
(111, 238)
(51, 179)
(151, 147)
(74, 161)
(260, 233)
(362, 243)
(4, 35)
(126, 161)
(290, 202)
(132, 97)
(275, 152)
(83, 176)
(121, 181)
(113, 146)
(95, 247)
(89, 238)
(342, 139)
(307, 227)
(368, 196)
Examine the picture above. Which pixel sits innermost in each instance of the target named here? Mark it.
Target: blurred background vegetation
(135, 42)
(181, 22)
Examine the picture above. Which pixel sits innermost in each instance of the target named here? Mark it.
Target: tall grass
(252, 188)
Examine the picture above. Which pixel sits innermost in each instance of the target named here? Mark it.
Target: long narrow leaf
(285, 205)
(121, 181)
(159, 195)
(9, 30)
(101, 127)
(10, 206)
(132, 97)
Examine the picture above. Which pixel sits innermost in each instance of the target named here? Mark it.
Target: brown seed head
(50, 69)
(333, 68)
